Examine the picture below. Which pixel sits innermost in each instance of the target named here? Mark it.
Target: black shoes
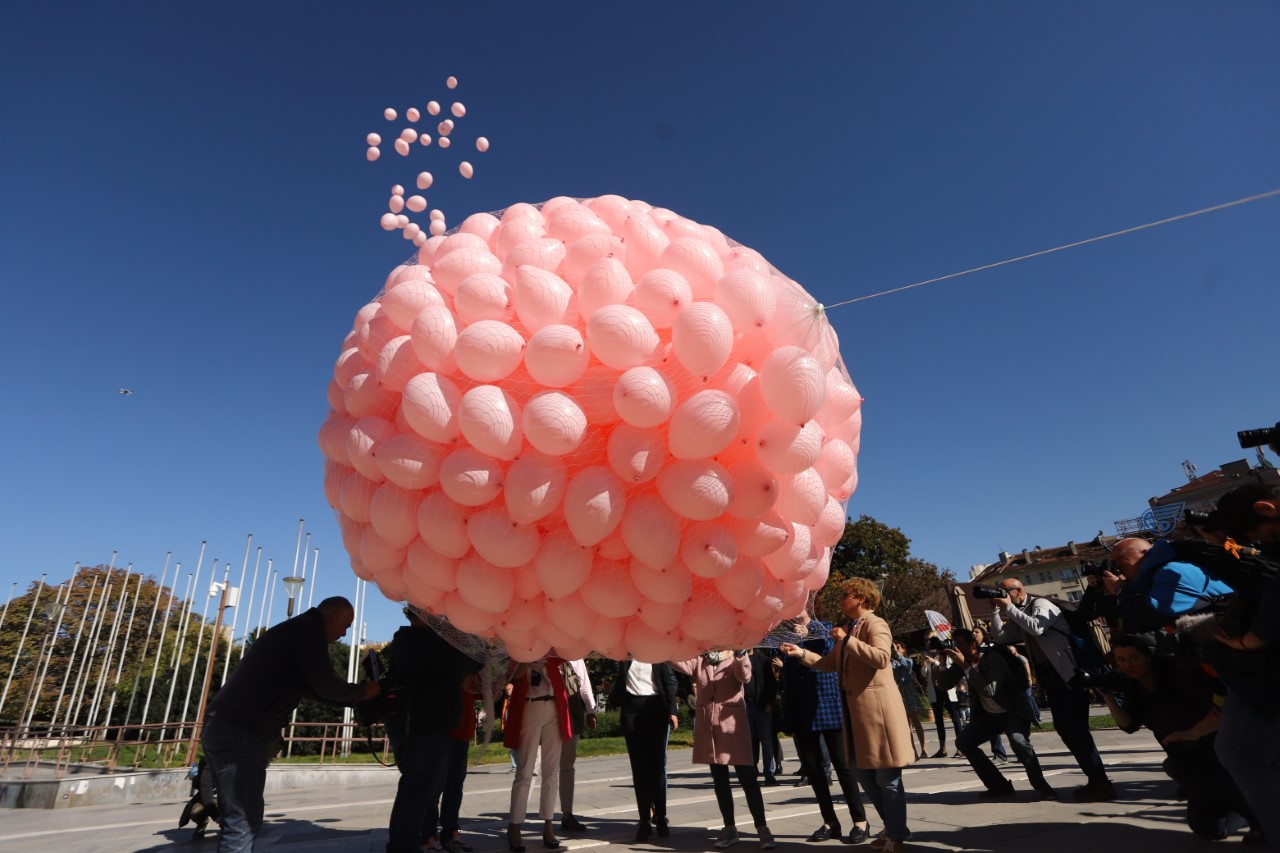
(1005, 790)
(1095, 792)
(770, 781)
(941, 753)
(550, 842)
(643, 830)
(514, 842)
(859, 834)
(1046, 794)
(825, 833)
(662, 827)
(571, 824)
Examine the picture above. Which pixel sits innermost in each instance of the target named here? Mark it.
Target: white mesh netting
(593, 425)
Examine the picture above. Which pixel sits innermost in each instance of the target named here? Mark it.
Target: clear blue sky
(187, 212)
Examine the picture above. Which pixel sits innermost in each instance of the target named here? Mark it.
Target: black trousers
(645, 729)
(809, 747)
(750, 783)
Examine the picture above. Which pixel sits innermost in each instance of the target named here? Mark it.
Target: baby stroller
(203, 805)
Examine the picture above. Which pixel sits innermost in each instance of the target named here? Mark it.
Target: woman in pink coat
(877, 735)
(722, 736)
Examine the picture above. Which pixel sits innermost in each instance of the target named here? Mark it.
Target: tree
(873, 550)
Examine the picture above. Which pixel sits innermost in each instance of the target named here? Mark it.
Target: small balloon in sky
(420, 239)
(388, 222)
(445, 127)
(452, 82)
(424, 180)
(433, 108)
(465, 169)
(411, 230)
(397, 190)
(372, 154)
(435, 214)
(437, 227)
(401, 220)
(402, 148)
(409, 135)
(425, 139)
(395, 204)
(373, 139)
(458, 109)
(416, 203)
(389, 114)
(444, 142)
(482, 144)
(412, 114)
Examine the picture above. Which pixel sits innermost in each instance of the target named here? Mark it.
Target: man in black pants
(646, 695)
(242, 727)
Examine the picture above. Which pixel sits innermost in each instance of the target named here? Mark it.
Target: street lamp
(293, 585)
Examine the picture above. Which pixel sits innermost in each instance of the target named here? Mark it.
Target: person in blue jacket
(1155, 588)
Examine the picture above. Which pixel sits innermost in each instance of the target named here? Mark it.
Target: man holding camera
(1154, 588)
(999, 705)
(1040, 624)
(242, 727)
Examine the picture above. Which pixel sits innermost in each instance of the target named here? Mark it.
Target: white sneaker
(727, 837)
(766, 838)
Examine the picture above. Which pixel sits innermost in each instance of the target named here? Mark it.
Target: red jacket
(516, 705)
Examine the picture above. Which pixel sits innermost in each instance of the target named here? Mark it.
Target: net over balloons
(592, 425)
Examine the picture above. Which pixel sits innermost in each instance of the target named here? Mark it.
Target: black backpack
(203, 805)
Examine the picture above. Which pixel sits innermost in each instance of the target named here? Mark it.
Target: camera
(1091, 567)
(1199, 518)
(1258, 437)
(1108, 681)
(386, 705)
(937, 645)
(989, 592)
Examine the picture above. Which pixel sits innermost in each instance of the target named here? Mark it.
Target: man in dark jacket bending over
(244, 720)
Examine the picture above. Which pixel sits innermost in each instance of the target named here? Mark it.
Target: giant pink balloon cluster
(593, 425)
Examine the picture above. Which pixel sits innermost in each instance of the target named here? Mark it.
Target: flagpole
(248, 613)
(151, 626)
(17, 655)
(315, 573)
(90, 649)
(195, 659)
(12, 589)
(235, 616)
(101, 689)
(124, 648)
(180, 641)
(62, 611)
(168, 611)
(75, 647)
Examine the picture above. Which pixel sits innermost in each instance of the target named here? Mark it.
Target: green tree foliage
(874, 550)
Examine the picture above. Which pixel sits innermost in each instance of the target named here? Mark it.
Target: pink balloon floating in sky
(592, 425)
(452, 82)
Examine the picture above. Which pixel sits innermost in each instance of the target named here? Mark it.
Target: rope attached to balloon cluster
(1100, 237)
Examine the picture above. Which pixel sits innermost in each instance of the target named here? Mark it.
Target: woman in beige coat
(722, 736)
(877, 736)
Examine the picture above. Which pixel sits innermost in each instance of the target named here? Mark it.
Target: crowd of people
(1194, 633)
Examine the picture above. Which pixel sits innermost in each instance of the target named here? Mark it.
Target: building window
(1045, 577)
(1067, 575)
(1075, 596)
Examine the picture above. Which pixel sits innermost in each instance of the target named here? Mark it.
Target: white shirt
(640, 679)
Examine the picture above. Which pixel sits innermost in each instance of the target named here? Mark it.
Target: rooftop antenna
(1188, 469)
(1263, 462)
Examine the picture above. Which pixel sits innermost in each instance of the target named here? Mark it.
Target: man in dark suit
(646, 696)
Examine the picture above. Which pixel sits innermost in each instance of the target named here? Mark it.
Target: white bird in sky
(125, 392)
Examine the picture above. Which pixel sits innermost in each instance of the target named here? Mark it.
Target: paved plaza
(944, 811)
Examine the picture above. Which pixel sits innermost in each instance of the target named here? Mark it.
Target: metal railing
(25, 750)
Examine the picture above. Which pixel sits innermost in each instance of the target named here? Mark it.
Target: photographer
(1248, 647)
(1041, 625)
(1153, 588)
(999, 705)
(429, 673)
(1180, 707)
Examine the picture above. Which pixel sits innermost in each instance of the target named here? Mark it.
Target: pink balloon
(830, 526)
(450, 269)
(694, 259)
(661, 295)
(593, 504)
(373, 139)
(445, 127)
(412, 114)
(644, 397)
(801, 497)
(451, 82)
(606, 282)
(355, 496)
(365, 435)
(650, 646)
(443, 523)
(709, 550)
(787, 448)
(556, 355)
(397, 364)
(755, 489)
(646, 241)
(562, 564)
(535, 486)
(409, 135)
(409, 461)
(610, 592)
(621, 336)
(430, 406)
(542, 297)
(433, 108)
(458, 109)
(363, 396)
(481, 224)
(747, 298)
(378, 555)
(793, 384)
(424, 180)
(333, 437)
(702, 338)
(660, 616)
(489, 419)
(670, 584)
(402, 148)
(389, 114)
(742, 586)
(488, 351)
(697, 489)
(636, 455)
(652, 533)
(541, 252)
(500, 540)
(553, 423)
(416, 203)
(588, 250)
(465, 616)
(482, 144)
(393, 513)
(466, 169)
(761, 536)
(434, 335)
(703, 425)
(570, 615)
(484, 296)
(470, 477)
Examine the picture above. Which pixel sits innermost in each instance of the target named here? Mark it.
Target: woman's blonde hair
(865, 588)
